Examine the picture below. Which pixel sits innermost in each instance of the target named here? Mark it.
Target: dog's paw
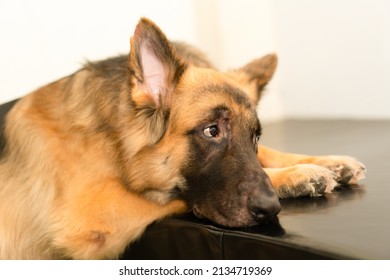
(302, 180)
(347, 169)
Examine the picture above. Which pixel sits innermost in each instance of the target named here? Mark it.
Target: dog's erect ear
(153, 63)
(256, 75)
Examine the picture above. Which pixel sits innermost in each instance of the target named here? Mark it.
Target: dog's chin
(197, 213)
(235, 221)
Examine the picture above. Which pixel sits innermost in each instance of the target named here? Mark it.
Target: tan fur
(63, 203)
(295, 175)
(62, 193)
(91, 159)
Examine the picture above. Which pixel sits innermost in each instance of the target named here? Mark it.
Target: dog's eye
(211, 131)
(256, 140)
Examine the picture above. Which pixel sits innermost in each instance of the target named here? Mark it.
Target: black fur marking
(239, 96)
(4, 109)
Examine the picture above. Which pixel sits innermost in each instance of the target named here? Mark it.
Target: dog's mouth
(245, 212)
(232, 201)
(234, 219)
(197, 214)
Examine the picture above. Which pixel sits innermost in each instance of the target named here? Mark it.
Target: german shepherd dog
(93, 158)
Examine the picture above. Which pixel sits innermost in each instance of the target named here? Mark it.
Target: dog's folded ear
(154, 64)
(256, 75)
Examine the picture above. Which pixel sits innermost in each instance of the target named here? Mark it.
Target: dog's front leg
(295, 175)
(101, 220)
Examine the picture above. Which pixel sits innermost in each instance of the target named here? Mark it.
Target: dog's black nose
(264, 208)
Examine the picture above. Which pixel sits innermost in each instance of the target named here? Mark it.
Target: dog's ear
(256, 75)
(153, 63)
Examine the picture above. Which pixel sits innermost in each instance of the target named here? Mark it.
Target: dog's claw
(305, 180)
(348, 170)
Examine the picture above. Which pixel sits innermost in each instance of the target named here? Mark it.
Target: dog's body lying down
(92, 159)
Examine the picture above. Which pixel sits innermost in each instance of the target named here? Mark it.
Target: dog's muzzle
(263, 203)
(263, 208)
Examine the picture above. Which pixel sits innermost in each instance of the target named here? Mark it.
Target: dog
(89, 161)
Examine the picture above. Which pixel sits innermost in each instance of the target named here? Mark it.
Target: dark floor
(352, 222)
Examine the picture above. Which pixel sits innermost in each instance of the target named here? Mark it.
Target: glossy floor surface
(352, 221)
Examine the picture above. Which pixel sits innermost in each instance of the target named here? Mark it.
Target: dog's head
(206, 132)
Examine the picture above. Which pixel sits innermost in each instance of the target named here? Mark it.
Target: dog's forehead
(203, 90)
(225, 92)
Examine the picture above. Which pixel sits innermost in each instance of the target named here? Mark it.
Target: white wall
(334, 55)
(43, 40)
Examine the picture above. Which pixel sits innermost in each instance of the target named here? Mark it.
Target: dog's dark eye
(257, 139)
(211, 131)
